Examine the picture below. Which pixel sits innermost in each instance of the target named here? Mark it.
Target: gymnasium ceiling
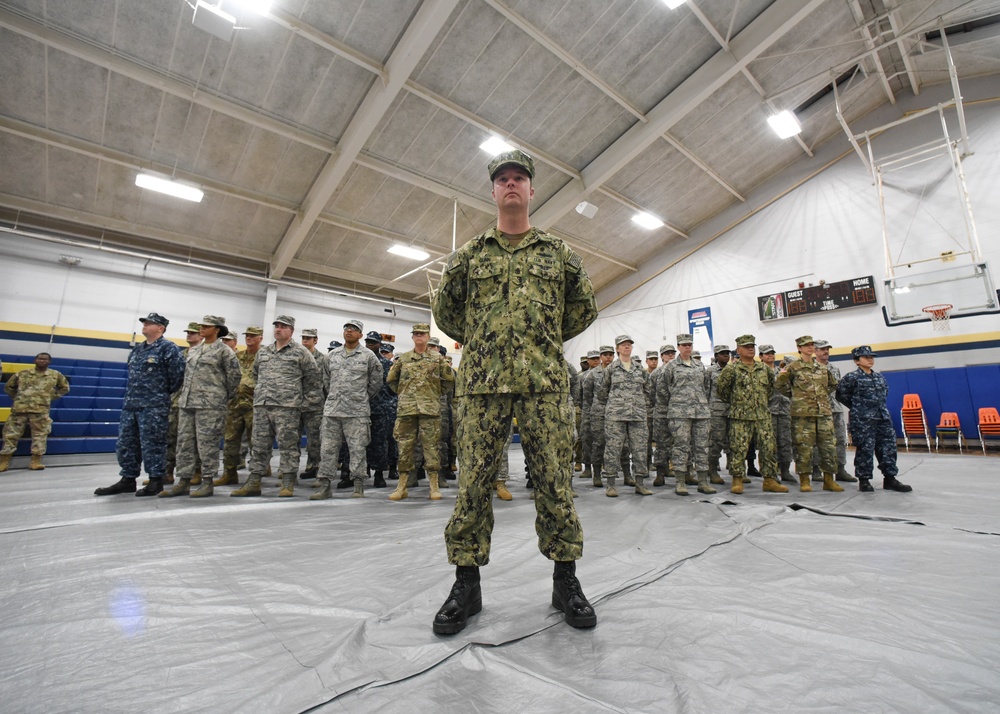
(329, 130)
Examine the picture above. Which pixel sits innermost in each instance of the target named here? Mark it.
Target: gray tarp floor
(879, 602)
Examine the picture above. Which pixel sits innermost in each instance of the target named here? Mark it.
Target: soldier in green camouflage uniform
(746, 385)
(33, 391)
(586, 400)
(625, 390)
(597, 407)
(683, 393)
(652, 362)
(285, 372)
(239, 417)
(718, 433)
(192, 334)
(512, 296)
(661, 425)
(211, 378)
(839, 416)
(809, 385)
(419, 377)
(781, 419)
(312, 407)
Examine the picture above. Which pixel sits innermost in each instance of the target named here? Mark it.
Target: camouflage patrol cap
(804, 340)
(862, 351)
(623, 338)
(374, 336)
(434, 342)
(651, 354)
(721, 348)
(594, 354)
(764, 349)
(216, 321)
(193, 327)
(667, 348)
(696, 355)
(788, 359)
(229, 338)
(515, 158)
(155, 318)
(284, 320)
(310, 332)
(355, 324)
(584, 358)
(420, 327)
(607, 348)
(822, 344)
(685, 339)
(746, 341)
(636, 359)
(254, 331)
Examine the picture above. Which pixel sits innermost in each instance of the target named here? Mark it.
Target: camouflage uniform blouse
(33, 392)
(683, 390)
(625, 393)
(244, 395)
(155, 371)
(747, 389)
(284, 377)
(809, 385)
(211, 377)
(419, 381)
(354, 379)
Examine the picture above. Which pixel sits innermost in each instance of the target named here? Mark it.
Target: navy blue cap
(155, 318)
(334, 345)
(373, 336)
(386, 347)
(862, 351)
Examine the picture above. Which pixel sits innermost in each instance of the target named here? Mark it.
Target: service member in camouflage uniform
(285, 373)
(192, 335)
(392, 448)
(312, 407)
(652, 362)
(155, 371)
(355, 377)
(596, 407)
(864, 392)
(683, 393)
(211, 378)
(780, 407)
(809, 385)
(718, 432)
(746, 385)
(239, 417)
(33, 391)
(586, 400)
(512, 296)
(419, 377)
(661, 425)
(839, 416)
(381, 408)
(625, 390)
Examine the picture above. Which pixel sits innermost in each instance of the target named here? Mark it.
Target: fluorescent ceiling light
(495, 145)
(647, 220)
(261, 7)
(408, 252)
(164, 184)
(785, 124)
(674, 4)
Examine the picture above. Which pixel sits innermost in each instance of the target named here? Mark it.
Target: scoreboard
(818, 298)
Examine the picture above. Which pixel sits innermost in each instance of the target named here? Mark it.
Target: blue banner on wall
(700, 326)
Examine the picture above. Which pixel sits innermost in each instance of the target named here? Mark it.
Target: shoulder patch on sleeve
(575, 261)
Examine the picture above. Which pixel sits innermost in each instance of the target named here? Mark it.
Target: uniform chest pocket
(486, 282)
(544, 281)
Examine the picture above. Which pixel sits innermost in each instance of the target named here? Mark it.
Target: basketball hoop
(939, 315)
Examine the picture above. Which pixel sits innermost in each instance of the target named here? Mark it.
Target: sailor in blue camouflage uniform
(155, 371)
(388, 351)
(382, 410)
(864, 392)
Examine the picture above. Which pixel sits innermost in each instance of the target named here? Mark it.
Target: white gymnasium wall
(107, 293)
(829, 227)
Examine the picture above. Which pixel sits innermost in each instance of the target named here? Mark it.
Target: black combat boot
(891, 484)
(464, 600)
(125, 485)
(567, 595)
(345, 477)
(752, 468)
(865, 485)
(393, 473)
(309, 473)
(379, 481)
(152, 488)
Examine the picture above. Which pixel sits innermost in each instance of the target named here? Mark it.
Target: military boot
(681, 488)
(610, 491)
(229, 478)
(154, 487)
(432, 481)
(250, 488)
(287, 486)
(804, 486)
(400, 493)
(842, 475)
(464, 600)
(359, 488)
(786, 475)
(659, 480)
(502, 492)
(771, 485)
(714, 478)
(36, 463)
(691, 479)
(830, 485)
(752, 469)
(181, 488)
(889, 483)
(627, 479)
(167, 479)
(345, 480)
(4, 462)
(443, 480)
(324, 490)
(577, 467)
(816, 475)
(640, 486)
(703, 482)
(379, 481)
(587, 472)
(196, 479)
(207, 489)
(598, 465)
(393, 473)
(411, 480)
(309, 473)
(453, 467)
(567, 595)
(737, 487)
(123, 485)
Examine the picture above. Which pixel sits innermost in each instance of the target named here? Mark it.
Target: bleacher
(85, 421)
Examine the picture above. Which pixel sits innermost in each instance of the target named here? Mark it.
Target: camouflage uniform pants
(585, 445)
(172, 422)
(809, 432)
(503, 474)
(661, 435)
(392, 447)
(444, 437)
(407, 430)
(619, 433)
(199, 433)
(453, 437)
(312, 427)
(355, 432)
(649, 441)
(781, 424)
(597, 436)
(378, 444)
(41, 426)
(690, 444)
(718, 441)
(874, 438)
(270, 423)
(840, 433)
(239, 424)
(743, 432)
(142, 437)
(577, 443)
(545, 423)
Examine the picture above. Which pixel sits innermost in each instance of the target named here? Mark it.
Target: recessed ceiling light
(585, 209)
(785, 124)
(674, 4)
(647, 220)
(169, 186)
(495, 145)
(408, 252)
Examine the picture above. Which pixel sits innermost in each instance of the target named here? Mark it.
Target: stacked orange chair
(989, 424)
(914, 421)
(949, 428)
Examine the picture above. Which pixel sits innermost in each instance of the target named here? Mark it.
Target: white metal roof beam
(690, 155)
(778, 19)
(629, 203)
(866, 33)
(911, 71)
(418, 36)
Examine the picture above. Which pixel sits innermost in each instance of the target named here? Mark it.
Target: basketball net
(939, 315)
